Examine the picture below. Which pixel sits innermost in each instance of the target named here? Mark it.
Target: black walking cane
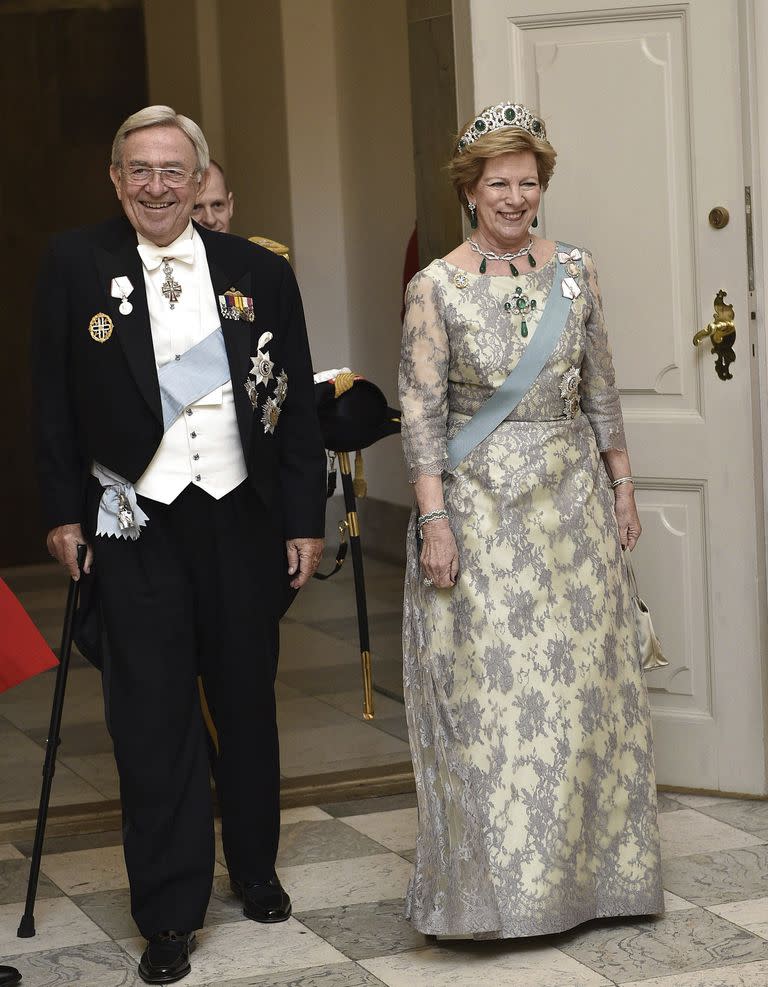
(354, 414)
(353, 526)
(27, 925)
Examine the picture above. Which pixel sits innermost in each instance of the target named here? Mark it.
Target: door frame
(753, 26)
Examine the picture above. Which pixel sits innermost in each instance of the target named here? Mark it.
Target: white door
(642, 102)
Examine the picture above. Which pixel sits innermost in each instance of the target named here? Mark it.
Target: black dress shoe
(263, 901)
(166, 958)
(9, 975)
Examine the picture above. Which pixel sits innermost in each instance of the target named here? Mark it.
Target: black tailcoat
(101, 401)
(195, 593)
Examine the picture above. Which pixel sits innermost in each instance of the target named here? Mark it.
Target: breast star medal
(270, 415)
(100, 327)
(569, 392)
(281, 387)
(253, 394)
(262, 367)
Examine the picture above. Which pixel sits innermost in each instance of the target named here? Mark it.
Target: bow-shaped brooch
(570, 260)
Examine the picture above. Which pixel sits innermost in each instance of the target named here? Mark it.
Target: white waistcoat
(203, 445)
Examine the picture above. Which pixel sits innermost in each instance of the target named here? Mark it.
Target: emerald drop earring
(535, 222)
(472, 215)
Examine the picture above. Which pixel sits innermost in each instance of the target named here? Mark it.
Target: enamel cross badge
(100, 327)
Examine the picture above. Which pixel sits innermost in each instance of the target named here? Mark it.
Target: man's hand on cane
(62, 544)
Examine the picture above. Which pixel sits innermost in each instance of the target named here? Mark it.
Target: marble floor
(346, 866)
(318, 690)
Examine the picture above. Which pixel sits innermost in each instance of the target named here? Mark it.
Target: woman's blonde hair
(466, 166)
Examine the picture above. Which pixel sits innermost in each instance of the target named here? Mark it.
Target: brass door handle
(721, 331)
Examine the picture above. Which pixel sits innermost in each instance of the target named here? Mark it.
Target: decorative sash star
(281, 388)
(270, 415)
(253, 394)
(262, 367)
(569, 392)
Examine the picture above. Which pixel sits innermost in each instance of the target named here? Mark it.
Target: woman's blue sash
(508, 395)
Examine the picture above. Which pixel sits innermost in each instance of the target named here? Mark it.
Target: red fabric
(23, 650)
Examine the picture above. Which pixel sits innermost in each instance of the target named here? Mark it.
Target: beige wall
(314, 168)
(239, 102)
(173, 74)
(374, 112)
(254, 126)
(314, 128)
(435, 124)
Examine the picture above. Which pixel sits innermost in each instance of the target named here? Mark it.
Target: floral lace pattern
(527, 712)
(459, 345)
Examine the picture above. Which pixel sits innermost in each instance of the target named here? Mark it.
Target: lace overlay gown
(527, 712)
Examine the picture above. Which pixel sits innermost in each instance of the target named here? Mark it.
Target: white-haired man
(179, 441)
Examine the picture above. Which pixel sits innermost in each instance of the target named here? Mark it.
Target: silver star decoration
(281, 388)
(252, 393)
(270, 415)
(262, 367)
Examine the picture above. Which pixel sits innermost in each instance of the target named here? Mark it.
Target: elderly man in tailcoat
(179, 441)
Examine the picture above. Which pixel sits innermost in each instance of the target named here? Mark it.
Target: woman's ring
(427, 581)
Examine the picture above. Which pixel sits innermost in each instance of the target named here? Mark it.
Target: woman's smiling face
(507, 197)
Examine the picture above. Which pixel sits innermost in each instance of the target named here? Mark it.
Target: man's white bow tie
(152, 256)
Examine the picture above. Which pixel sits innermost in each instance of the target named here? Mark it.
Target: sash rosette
(119, 513)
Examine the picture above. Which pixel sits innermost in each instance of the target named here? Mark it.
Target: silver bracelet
(622, 479)
(431, 516)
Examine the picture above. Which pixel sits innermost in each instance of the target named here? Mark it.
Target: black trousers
(198, 593)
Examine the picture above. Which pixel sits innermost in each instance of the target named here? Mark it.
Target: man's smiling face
(160, 213)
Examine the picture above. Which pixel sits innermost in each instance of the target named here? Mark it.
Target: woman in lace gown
(527, 713)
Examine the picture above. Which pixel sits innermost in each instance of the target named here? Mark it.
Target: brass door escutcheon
(719, 217)
(721, 332)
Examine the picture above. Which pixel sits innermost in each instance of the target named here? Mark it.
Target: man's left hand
(303, 558)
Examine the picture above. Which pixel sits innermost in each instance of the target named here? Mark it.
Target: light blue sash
(195, 374)
(182, 382)
(508, 395)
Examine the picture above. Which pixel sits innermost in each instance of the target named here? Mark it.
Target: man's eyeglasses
(171, 177)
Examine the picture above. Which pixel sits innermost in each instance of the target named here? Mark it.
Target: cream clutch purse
(651, 655)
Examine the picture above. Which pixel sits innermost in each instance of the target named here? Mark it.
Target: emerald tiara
(499, 116)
